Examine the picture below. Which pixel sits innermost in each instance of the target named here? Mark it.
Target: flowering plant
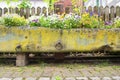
(117, 22)
(90, 20)
(14, 20)
(34, 21)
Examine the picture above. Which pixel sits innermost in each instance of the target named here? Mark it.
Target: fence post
(89, 9)
(5, 10)
(102, 12)
(32, 11)
(96, 10)
(38, 11)
(0, 11)
(112, 14)
(27, 14)
(106, 13)
(17, 10)
(21, 11)
(118, 11)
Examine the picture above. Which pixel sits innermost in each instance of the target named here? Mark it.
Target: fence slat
(106, 13)
(17, 10)
(96, 10)
(84, 9)
(112, 14)
(27, 14)
(1, 11)
(38, 11)
(118, 11)
(21, 11)
(5, 10)
(44, 11)
(89, 9)
(32, 11)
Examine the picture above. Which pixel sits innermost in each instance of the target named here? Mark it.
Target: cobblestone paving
(60, 72)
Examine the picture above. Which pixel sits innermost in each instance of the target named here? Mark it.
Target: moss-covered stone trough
(38, 39)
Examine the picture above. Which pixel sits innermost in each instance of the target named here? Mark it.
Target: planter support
(21, 59)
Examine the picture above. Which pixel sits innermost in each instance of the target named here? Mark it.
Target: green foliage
(25, 4)
(14, 20)
(51, 3)
(1, 21)
(8, 1)
(58, 78)
(117, 22)
(61, 22)
(90, 21)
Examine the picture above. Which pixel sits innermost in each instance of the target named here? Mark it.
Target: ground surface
(52, 71)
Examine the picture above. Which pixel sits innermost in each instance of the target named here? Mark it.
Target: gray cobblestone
(44, 78)
(106, 78)
(5, 78)
(95, 78)
(70, 78)
(30, 78)
(81, 78)
(116, 78)
(18, 78)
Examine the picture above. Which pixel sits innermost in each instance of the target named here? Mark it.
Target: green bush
(117, 22)
(14, 20)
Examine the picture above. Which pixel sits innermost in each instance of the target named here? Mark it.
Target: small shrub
(117, 22)
(14, 20)
(91, 21)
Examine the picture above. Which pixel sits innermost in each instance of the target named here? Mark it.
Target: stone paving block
(70, 78)
(116, 77)
(54, 78)
(106, 78)
(18, 78)
(95, 78)
(5, 78)
(75, 73)
(44, 78)
(81, 78)
(30, 78)
(66, 73)
(85, 72)
(47, 72)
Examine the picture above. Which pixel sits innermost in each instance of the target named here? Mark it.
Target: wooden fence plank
(32, 11)
(118, 11)
(95, 10)
(112, 14)
(17, 10)
(27, 14)
(5, 10)
(44, 11)
(21, 11)
(89, 9)
(38, 11)
(1, 11)
(106, 13)
(102, 12)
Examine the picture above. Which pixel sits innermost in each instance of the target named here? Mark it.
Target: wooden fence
(107, 13)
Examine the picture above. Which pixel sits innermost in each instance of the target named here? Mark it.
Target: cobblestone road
(60, 72)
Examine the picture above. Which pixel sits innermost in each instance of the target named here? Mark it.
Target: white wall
(103, 3)
(34, 4)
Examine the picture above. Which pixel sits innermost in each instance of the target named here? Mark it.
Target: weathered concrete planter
(39, 39)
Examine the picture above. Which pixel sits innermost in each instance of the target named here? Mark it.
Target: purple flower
(91, 13)
(87, 11)
(35, 20)
(108, 23)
